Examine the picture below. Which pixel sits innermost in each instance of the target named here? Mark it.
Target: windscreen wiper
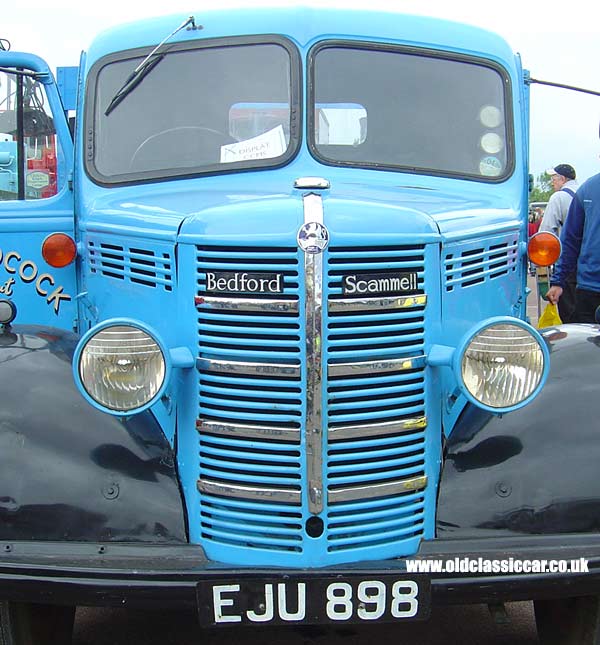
(144, 68)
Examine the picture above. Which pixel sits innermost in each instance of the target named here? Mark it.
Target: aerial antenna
(564, 87)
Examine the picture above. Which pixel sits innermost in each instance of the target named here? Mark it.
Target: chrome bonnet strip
(376, 367)
(377, 490)
(252, 369)
(248, 304)
(377, 429)
(313, 271)
(249, 492)
(245, 430)
(376, 304)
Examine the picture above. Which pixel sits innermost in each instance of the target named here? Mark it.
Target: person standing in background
(581, 251)
(563, 182)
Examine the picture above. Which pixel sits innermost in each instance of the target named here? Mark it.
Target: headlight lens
(122, 367)
(502, 365)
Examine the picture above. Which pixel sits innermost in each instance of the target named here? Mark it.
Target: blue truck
(263, 340)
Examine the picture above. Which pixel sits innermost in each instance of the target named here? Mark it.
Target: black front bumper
(165, 576)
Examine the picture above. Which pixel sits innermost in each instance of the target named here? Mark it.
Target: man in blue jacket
(580, 238)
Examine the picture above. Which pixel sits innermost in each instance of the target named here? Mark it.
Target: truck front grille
(252, 392)
(250, 413)
(376, 402)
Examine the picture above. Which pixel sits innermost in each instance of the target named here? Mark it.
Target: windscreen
(389, 108)
(197, 110)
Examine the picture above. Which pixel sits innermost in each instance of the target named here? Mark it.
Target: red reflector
(59, 250)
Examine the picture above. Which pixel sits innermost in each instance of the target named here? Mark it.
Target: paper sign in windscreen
(264, 146)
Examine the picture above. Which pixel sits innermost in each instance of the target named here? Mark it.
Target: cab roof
(306, 25)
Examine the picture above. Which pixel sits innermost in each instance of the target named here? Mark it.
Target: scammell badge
(313, 237)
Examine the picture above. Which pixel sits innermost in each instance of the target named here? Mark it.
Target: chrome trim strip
(248, 304)
(376, 304)
(377, 490)
(251, 369)
(307, 183)
(375, 367)
(313, 314)
(377, 429)
(249, 492)
(245, 430)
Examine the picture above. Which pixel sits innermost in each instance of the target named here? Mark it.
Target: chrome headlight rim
(120, 322)
(475, 331)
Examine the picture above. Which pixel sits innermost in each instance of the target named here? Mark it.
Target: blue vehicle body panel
(146, 250)
(43, 294)
(171, 221)
(66, 79)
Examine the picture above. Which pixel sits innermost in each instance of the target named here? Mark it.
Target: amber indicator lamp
(543, 249)
(59, 250)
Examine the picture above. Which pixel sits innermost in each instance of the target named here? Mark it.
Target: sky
(558, 41)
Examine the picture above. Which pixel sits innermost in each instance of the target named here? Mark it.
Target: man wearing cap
(555, 215)
(580, 239)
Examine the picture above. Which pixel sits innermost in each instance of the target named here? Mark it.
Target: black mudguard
(69, 471)
(535, 470)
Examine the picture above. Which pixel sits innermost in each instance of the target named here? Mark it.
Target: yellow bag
(549, 317)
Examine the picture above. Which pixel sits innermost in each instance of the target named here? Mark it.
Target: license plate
(331, 599)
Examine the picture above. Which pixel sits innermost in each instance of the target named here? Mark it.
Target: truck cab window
(31, 162)
(399, 119)
(230, 107)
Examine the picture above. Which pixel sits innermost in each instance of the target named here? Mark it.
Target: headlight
(121, 367)
(503, 365)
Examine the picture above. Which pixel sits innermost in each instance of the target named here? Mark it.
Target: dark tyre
(568, 621)
(24, 623)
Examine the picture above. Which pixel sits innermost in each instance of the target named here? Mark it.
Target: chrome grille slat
(270, 305)
(377, 490)
(248, 368)
(249, 492)
(343, 305)
(357, 368)
(251, 431)
(341, 433)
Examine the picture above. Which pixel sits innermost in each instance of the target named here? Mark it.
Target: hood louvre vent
(143, 266)
(470, 263)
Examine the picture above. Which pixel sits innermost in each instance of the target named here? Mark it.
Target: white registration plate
(314, 600)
